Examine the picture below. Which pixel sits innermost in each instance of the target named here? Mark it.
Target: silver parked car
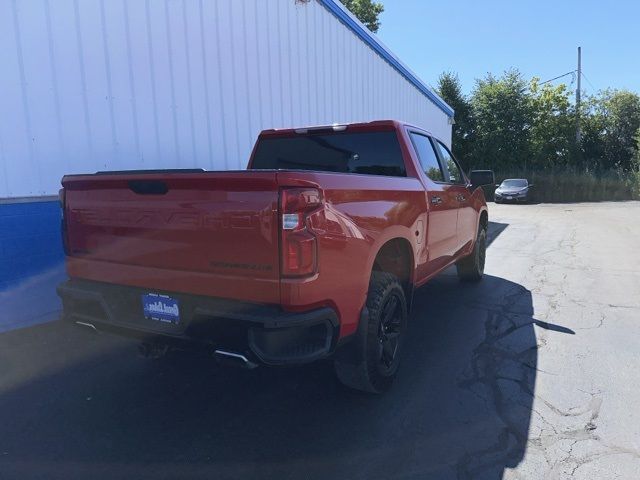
(513, 189)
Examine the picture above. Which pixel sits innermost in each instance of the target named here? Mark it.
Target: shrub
(568, 185)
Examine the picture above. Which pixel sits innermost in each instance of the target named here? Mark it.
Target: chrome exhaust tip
(88, 325)
(234, 359)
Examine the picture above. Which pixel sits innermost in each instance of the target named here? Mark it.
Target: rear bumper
(262, 333)
(512, 198)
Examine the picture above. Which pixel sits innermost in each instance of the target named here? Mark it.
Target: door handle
(436, 200)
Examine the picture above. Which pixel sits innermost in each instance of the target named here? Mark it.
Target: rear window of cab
(371, 153)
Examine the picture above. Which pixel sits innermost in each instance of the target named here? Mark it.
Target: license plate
(160, 308)
(509, 198)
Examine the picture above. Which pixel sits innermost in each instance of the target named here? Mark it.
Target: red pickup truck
(314, 251)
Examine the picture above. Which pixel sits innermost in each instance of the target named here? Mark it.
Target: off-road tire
(471, 267)
(372, 371)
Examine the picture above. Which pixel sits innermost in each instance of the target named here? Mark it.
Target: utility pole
(578, 135)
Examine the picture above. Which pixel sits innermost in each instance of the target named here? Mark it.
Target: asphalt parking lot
(532, 373)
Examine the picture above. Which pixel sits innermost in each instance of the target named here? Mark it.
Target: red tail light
(299, 249)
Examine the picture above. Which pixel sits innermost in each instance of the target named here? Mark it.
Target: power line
(573, 79)
(588, 81)
(572, 72)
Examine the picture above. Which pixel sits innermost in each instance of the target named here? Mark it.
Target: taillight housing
(299, 246)
(62, 197)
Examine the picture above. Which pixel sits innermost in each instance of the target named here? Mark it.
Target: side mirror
(530, 185)
(481, 177)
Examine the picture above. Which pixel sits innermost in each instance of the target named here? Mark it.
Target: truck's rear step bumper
(263, 333)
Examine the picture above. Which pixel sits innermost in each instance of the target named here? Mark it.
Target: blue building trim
(30, 240)
(335, 7)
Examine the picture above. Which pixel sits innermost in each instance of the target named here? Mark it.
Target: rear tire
(471, 268)
(374, 368)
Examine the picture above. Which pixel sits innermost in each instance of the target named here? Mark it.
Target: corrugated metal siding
(94, 84)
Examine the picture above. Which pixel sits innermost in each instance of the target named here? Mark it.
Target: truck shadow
(460, 408)
(494, 230)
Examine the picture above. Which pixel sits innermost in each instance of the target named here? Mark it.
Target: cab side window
(427, 156)
(455, 175)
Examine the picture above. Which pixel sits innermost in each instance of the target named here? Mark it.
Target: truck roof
(359, 126)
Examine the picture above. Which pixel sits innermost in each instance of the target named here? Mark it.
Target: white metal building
(104, 84)
(89, 85)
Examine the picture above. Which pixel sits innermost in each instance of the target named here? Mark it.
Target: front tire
(376, 366)
(471, 268)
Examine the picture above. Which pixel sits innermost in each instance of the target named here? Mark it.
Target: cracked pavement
(531, 373)
(582, 265)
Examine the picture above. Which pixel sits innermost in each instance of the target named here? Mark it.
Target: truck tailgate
(208, 233)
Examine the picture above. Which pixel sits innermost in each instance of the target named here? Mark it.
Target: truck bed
(207, 233)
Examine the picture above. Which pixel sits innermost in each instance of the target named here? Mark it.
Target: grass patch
(573, 186)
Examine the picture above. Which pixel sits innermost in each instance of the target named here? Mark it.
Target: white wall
(90, 85)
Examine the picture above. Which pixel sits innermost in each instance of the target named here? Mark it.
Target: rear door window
(427, 156)
(372, 153)
(448, 162)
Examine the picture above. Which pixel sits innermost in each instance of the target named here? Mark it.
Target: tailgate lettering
(124, 218)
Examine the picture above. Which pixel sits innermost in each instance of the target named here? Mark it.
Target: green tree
(450, 90)
(552, 119)
(610, 122)
(514, 126)
(634, 176)
(502, 118)
(621, 111)
(636, 153)
(592, 126)
(367, 11)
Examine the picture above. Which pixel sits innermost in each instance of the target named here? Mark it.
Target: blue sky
(539, 38)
